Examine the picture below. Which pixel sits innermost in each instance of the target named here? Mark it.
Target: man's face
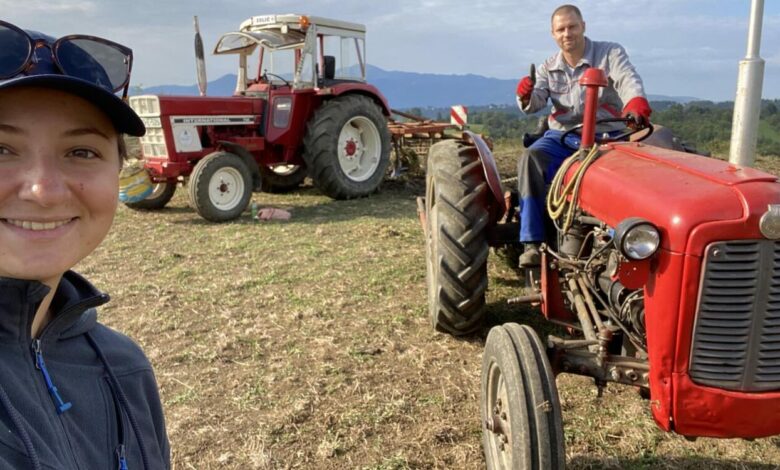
(568, 30)
(59, 177)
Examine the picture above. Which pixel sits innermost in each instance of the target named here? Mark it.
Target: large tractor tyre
(456, 198)
(282, 178)
(220, 187)
(162, 193)
(520, 409)
(347, 147)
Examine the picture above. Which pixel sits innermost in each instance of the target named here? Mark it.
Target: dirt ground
(307, 344)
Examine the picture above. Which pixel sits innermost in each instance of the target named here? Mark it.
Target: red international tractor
(301, 106)
(663, 273)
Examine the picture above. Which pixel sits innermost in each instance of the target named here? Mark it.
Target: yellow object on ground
(134, 183)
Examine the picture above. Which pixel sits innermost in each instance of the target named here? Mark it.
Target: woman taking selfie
(73, 393)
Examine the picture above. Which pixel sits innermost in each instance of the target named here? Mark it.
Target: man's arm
(629, 86)
(537, 99)
(627, 81)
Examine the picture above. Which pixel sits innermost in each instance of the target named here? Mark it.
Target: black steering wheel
(620, 137)
(265, 76)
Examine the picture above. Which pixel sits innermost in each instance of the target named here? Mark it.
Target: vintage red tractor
(663, 272)
(303, 107)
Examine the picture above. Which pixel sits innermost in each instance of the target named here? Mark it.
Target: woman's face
(59, 177)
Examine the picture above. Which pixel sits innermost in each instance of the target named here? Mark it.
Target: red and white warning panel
(459, 116)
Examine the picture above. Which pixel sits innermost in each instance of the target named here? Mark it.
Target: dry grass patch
(306, 344)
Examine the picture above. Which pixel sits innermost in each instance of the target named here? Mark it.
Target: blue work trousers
(536, 169)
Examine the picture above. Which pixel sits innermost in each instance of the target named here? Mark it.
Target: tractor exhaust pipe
(747, 105)
(592, 80)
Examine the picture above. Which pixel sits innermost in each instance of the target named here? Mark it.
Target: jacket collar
(559, 63)
(72, 307)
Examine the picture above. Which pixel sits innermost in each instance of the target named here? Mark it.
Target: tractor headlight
(770, 222)
(637, 239)
(282, 111)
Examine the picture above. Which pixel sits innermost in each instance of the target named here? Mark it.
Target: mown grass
(306, 344)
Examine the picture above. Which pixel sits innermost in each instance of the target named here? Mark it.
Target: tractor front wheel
(520, 409)
(220, 187)
(456, 207)
(347, 147)
(162, 193)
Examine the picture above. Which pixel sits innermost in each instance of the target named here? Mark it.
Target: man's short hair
(567, 9)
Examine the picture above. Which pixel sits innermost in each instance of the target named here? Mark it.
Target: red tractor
(663, 273)
(303, 107)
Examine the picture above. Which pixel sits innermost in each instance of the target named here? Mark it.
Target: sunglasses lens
(96, 62)
(14, 51)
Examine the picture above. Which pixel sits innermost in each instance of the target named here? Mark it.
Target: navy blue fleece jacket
(80, 396)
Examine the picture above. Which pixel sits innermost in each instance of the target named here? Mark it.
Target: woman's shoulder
(120, 350)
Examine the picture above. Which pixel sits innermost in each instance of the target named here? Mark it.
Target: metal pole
(747, 105)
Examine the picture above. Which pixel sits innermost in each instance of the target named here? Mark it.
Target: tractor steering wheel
(622, 136)
(265, 76)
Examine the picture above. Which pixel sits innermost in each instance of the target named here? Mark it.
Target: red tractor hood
(676, 191)
(209, 106)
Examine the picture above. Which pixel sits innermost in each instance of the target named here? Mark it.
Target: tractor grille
(736, 340)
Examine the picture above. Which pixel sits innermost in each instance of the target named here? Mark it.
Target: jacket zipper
(38, 356)
(59, 403)
(120, 454)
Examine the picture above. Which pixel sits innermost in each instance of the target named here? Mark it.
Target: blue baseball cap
(98, 90)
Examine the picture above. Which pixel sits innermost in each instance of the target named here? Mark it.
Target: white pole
(747, 105)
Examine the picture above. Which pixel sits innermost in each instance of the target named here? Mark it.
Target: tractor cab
(297, 52)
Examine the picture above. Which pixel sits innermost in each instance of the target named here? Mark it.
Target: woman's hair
(122, 147)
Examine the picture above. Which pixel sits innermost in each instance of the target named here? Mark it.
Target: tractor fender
(248, 158)
(492, 177)
(364, 89)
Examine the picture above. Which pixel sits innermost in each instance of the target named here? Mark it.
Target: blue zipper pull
(120, 454)
(40, 365)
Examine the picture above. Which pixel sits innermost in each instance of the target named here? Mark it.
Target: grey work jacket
(561, 84)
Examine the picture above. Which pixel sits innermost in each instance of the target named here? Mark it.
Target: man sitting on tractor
(558, 79)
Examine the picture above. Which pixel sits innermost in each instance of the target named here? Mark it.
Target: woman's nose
(44, 184)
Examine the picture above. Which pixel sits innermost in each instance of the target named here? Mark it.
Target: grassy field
(306, 344)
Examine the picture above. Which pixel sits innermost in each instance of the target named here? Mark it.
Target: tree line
(704, 124)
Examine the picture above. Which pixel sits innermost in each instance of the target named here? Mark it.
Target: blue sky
(680, 47)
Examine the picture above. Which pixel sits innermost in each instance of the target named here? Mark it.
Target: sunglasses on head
(99, 61)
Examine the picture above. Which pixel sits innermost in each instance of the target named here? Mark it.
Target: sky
(680, 47)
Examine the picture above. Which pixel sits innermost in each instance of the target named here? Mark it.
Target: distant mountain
(408, 89)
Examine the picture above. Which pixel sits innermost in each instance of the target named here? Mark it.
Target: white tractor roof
(294, 21)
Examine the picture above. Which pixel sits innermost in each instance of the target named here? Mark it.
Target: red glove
(639, 110)
(524, 88)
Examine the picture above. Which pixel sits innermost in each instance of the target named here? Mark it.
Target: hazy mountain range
(406, 89)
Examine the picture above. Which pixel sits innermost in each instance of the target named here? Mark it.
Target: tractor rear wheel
(220, 186)
(161, 195)
(520, 409)
(456, 198)
(347, 147)
(282, 178)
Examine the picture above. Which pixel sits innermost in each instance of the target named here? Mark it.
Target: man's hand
(524, 88)
(638, 110)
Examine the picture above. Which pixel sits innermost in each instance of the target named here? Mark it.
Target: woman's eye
(84, 153)
(4, 150)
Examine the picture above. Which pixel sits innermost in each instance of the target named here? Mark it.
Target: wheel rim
(498, 422)
(157, 190)
(359, 149)
(226, 188)
(285, 170)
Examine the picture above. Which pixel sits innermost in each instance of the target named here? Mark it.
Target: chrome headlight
(637, 239)
(770, 222)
